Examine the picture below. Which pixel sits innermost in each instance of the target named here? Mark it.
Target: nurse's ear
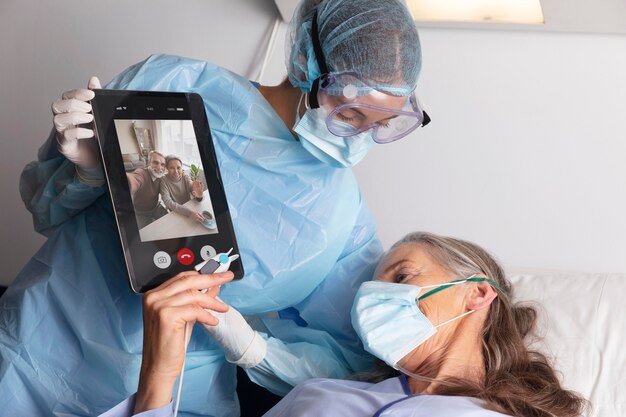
(480, 296)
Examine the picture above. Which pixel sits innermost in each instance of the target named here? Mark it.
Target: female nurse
(307, 238)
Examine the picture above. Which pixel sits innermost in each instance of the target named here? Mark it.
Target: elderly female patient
(177, 189)
(438, 314)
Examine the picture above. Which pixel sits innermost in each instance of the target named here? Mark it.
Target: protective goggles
(352, 106)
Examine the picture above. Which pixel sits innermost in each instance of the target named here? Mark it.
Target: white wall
(524, 155)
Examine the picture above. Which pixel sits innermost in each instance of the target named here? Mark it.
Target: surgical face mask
(339, 152)
(387, 318)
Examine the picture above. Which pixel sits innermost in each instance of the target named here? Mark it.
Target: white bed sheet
(582, 322)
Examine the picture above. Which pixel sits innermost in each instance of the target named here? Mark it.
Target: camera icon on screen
(162, 260)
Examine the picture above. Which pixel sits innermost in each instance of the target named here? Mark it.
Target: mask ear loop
(437, 289)
(298, 118)
(428, 379)
(303, 97)
(454, 318)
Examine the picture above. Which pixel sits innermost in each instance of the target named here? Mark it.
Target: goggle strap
(426, 118)
(321, 62)
(456, 281)
(317, 46)
(313, 102)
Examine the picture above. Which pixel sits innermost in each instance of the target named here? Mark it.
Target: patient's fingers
(172, 280)
(178, 276)
(190, 315)
(192, 297)
(195, 280)
(214, 291)
(186, 281)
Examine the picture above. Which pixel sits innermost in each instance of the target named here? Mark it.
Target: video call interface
(166, 178)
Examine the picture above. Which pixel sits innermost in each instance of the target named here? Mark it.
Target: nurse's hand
(166, 311)
(73, 123)
(242, 345)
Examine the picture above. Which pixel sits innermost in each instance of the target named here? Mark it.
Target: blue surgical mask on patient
(387, 318)
(339, 152)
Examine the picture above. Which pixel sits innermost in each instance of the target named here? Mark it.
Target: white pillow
(582, 319)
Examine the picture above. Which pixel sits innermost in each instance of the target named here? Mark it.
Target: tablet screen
(173, 163)
(164, 181)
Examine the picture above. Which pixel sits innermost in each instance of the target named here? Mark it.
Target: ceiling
(573, 16)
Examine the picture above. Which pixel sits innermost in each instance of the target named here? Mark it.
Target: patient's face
(175, 169)
(411, 264)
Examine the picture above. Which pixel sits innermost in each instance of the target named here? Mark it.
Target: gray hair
(152, 153)
(169, 158)
(459, 257)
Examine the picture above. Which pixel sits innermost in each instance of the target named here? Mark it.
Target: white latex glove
(75, 142)
(243, 346)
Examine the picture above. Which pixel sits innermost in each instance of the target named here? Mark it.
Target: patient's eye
(401, 277)
(404, 276)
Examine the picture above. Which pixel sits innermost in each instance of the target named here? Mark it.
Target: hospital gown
(331, 397)
(70, 328)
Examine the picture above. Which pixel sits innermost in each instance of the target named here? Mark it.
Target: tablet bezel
(111, 105)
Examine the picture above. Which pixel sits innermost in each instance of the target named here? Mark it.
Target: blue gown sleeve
(126, 408)
(315, 339)
(52, 191)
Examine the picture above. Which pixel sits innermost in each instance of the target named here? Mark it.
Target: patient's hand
(166, 311)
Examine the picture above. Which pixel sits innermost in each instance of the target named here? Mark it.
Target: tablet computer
(164, 182)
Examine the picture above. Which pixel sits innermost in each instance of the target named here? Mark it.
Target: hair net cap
(375, 39)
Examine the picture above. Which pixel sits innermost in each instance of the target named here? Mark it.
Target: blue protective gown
(336, 398)
(71, 329)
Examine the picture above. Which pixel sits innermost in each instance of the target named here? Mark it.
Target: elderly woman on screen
(177, 189)
(439, 316)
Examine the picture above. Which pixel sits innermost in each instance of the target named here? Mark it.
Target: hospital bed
(582, 326)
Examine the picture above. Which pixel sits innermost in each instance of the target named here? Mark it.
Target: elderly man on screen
(145, 184)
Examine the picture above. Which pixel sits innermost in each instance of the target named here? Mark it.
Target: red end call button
(185, 256)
